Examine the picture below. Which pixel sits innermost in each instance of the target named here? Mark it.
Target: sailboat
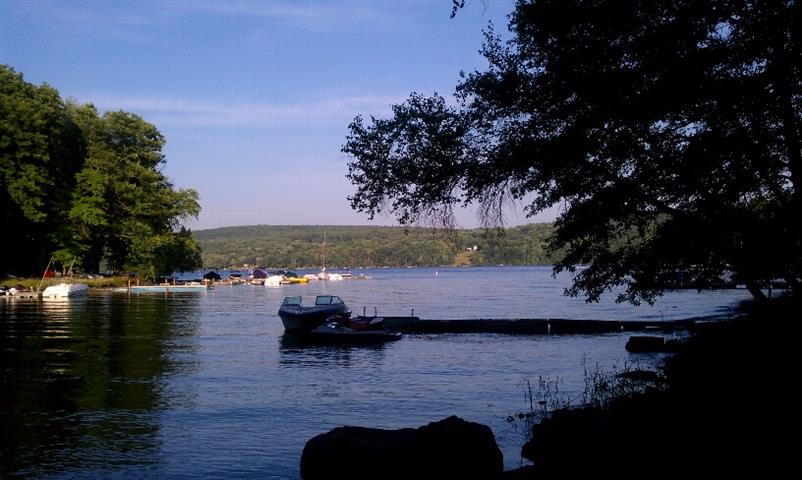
(63, 290)
(324, 275)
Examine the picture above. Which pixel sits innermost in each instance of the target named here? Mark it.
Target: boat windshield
(328, 300)
(291, 301)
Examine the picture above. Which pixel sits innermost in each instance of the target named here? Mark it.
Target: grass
(602, 386)
(31, 283)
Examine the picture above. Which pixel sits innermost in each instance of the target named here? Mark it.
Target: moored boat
(294, 280)
(65, 290)
(298, 318)
(344, 329)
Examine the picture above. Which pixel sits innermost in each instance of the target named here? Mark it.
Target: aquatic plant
(601, 387)
(604, 386)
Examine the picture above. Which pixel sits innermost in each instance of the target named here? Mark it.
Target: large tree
(41, 150)
(78, 185)
(124, 210)
(669, 131)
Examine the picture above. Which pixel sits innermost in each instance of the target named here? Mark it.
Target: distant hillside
(366, 246)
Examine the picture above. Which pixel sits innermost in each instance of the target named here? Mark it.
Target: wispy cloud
(135, 24)
(333, 15)
(166, 111)
(93, 13)
(320, 15)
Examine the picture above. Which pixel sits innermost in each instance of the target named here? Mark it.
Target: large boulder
(450, 448)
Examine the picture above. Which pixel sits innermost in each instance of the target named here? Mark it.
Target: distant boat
(212, 275)
(293, 278)
(297, 318)
(335, 277)
(324, 275)
(62, 290)
(65, 290)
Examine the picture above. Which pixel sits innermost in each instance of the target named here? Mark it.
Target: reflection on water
(298, 351)
(83, 379)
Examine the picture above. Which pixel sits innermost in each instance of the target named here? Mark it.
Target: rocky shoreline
(718, 414)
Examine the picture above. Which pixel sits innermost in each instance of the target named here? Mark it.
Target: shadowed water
(200, 385)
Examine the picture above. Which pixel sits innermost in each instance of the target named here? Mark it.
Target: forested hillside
(353, 246)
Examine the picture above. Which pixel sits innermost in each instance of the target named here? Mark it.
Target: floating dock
(165, 288)
(23, 294)
(554, 326)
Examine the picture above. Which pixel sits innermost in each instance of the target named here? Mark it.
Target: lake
(205, 385)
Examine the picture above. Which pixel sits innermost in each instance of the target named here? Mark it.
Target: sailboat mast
(38, 287)
(324, 250)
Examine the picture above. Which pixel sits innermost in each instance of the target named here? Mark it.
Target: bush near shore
(726, 411)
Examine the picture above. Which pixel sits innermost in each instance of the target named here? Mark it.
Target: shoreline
(715, 415)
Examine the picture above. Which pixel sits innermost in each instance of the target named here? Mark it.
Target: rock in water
(645, 344)
(450, 448)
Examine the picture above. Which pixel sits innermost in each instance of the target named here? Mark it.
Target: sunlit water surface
(205, 384)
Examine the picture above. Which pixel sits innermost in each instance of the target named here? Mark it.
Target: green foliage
(87, 187)
(352, 246)
(161, 254)
(669, 131)
(40, 151)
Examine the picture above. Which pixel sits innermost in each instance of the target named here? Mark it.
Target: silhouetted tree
(668, 130)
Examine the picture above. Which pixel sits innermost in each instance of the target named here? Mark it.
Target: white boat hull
(65, 290)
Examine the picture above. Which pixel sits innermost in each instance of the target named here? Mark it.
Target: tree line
(86, 188)
(366, 246)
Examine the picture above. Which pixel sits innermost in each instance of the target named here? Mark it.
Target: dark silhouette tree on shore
(669, 131)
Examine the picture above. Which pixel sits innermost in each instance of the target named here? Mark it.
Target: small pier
(24, 294)
(166, 288)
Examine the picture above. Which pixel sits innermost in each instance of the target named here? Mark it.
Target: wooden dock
(24, 294)
(167, 288)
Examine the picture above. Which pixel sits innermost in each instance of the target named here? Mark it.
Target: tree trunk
(756, 292)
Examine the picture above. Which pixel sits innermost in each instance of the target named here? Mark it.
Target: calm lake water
(205, 384)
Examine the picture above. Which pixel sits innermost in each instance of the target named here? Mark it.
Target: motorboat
(65, 290)
(296, 280)
(291, 278)
(298, 318)
(343, 329)
(283, 277)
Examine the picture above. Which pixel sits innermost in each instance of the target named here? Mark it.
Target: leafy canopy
(668, 131)
(75, 184)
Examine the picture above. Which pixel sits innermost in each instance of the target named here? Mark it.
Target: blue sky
(254, 97)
